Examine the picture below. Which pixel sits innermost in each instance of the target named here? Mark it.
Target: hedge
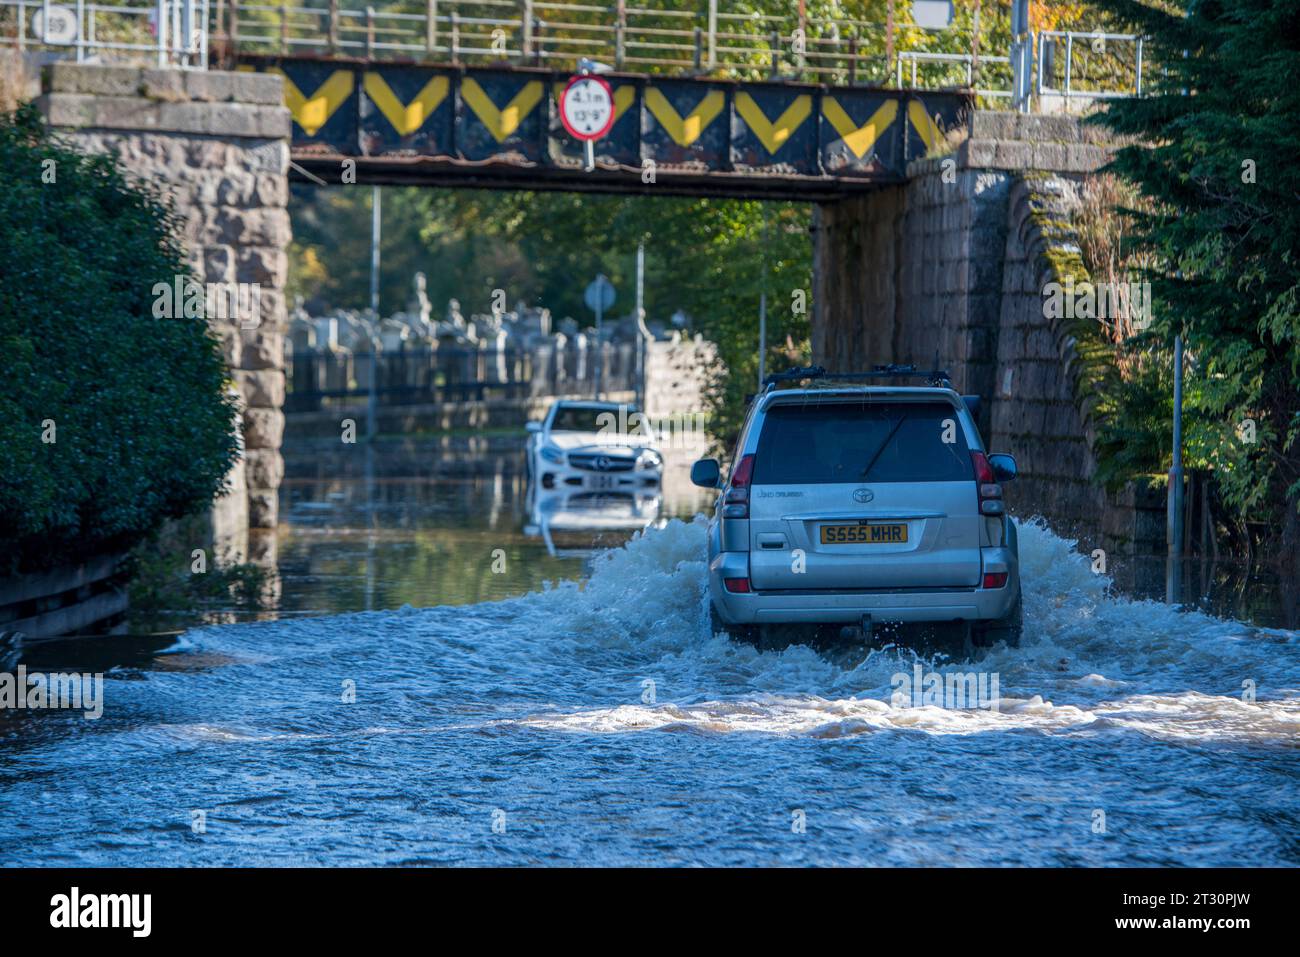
(111, 420)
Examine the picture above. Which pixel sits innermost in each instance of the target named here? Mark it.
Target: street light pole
(762, 311)
(600, 350)
(1174, 518)
(1022, 57)
(376, 223)
(640, 326)
(372, 398)
(1176, 471)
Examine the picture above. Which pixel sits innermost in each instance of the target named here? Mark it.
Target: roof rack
(934, 377)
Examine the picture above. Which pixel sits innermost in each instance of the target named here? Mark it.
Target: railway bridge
(500, 127)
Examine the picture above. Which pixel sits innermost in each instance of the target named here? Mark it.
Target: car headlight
(552, 454)
(649, 459)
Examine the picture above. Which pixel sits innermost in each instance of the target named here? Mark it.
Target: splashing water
(1087, 657)
(612, 727)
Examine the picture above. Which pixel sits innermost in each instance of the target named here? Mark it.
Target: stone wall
(19, 81)
(218, 142)
(1049, 380)
(912, 274)
(949, 269)
(675, 374)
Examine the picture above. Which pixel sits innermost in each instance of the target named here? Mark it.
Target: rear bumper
(842, 607)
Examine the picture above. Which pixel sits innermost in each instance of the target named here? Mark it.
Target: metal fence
(1088, 65)
(988, 76)
(651, 36)
(324, 377)
(709, 39)
(160, 32)
(627, 35)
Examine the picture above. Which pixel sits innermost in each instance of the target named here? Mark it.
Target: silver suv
(858, 505)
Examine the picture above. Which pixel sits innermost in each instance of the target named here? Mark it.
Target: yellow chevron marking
(859, 139)
(311, 113)
(406, 117)
(931, 135)
(501, 123)
(685, 130)
(623, 97)
(773, 135)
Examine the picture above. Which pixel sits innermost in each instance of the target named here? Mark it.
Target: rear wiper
(885, 444)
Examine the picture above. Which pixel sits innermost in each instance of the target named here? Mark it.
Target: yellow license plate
(857, 534)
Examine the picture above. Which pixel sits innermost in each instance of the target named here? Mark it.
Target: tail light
(995, 579)
(737, 586)
(736, 502)
(990, 492)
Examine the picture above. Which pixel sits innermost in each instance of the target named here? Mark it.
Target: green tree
(112, 420)
(1214, 152)
(331, 245)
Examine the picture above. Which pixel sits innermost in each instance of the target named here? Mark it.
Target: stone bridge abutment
(218, 143)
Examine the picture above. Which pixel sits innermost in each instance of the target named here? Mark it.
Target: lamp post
(762, 311)
(1022, 56)
(640, 326)
(1174, 516)
(372, 397)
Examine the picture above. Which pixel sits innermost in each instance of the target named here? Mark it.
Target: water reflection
(451, 520)
(1252, 592)
(443, 522)
(578, 524)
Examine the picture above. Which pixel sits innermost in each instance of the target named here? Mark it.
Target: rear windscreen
(862, 442)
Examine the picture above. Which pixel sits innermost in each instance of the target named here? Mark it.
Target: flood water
(458, 673)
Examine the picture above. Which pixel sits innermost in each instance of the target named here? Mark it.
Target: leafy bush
(137, 406)
(167, 592)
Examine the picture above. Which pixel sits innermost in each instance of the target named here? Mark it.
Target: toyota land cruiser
(858, 505)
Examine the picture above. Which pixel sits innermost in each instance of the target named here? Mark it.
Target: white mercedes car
(593, 446)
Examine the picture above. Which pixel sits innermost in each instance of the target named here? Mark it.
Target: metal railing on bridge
(159, 32)
(648, 36)
(1088, 66)
(705, 40)
(1069, 65)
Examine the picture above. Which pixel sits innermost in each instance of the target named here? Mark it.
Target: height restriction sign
(587, 107)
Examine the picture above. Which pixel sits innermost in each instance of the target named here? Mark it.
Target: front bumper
(810, 606)
(565, 477)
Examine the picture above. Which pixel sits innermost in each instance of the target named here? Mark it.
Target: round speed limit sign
(62, 28)
(587, 107)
